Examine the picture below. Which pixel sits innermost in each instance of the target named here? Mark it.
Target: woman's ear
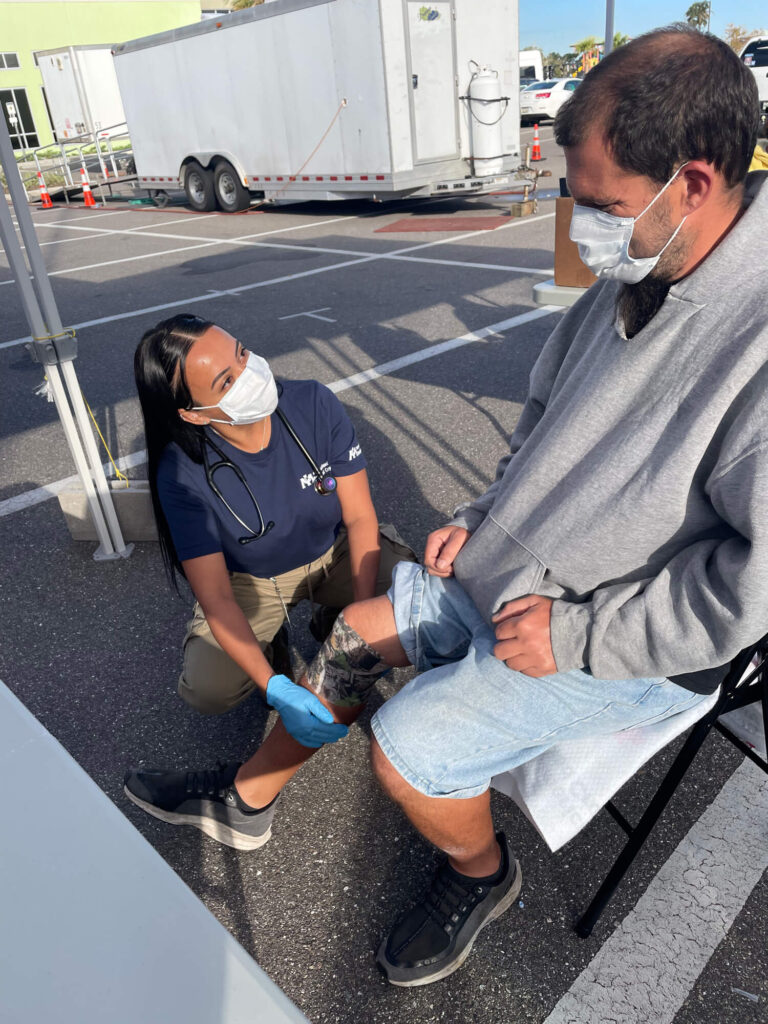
(195, 418)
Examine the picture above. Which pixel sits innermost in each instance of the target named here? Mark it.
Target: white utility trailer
(295, 100)
(81, 90)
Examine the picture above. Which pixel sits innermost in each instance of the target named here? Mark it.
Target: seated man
(620, 558)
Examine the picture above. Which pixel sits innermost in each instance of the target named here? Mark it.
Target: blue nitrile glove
(303, 715)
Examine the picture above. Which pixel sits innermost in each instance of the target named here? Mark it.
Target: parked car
(544, 99)
(755, 56)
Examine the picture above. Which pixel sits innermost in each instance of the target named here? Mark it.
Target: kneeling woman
(261, 499)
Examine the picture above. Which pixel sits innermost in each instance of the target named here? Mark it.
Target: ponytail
(159, 368)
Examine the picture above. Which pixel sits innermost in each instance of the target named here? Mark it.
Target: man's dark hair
(668, 96)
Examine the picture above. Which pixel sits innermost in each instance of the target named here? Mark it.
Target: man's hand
(442, 547)
(522, 631)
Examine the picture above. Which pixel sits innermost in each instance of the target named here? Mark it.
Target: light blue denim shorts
(467, 717)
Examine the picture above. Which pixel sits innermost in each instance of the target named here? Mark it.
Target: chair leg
(642, 830)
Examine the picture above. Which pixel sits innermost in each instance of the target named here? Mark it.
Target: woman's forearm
(234, 635)
(364, 553)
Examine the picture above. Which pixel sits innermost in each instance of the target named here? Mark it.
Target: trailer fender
(209, 159)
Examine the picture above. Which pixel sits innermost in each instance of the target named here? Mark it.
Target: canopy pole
(56, 350)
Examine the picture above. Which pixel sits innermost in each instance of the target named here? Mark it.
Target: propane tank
(486, 109)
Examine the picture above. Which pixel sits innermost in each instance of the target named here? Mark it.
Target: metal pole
(19, 271)
(44, 320)
(50, 313)
(38, 327)
(608, 44)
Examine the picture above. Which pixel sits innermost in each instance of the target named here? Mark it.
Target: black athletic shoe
(435, 937)
(205, 799)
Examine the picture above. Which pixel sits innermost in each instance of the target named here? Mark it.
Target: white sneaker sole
(215, 829)
(502, 906)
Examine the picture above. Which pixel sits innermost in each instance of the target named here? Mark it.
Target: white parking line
(646, 969)
(27, 499)
(95, 216)
(166, 252)
(217, 294)
(298, 248)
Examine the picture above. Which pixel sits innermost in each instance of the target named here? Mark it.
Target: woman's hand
(304, 716)
(442, 548)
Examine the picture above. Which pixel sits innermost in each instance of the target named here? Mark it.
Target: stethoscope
(325, 483)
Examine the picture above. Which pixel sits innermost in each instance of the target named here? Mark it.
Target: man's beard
(639, 303)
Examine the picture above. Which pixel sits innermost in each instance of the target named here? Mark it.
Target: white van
(755, 56)
(531, 65)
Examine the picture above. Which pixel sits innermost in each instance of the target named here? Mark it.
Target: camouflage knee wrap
(346, 667)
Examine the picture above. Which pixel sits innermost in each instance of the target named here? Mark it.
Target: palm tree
(619, 39)
(584, 45)
(698, 15)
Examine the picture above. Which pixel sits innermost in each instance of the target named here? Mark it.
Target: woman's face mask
(603, 241)
(252, 397)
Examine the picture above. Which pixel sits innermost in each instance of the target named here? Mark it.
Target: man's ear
(699, 178)
(195, 418)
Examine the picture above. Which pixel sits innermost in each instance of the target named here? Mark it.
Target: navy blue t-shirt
(281, 479)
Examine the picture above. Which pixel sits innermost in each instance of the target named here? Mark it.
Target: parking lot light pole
(608, 44)
(56, 350)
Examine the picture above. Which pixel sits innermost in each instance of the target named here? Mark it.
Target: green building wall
(26, 27)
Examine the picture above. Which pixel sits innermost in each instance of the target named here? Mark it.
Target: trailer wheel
(230, 193)
(198, 185)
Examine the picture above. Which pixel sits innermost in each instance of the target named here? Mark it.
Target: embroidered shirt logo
(355, 452)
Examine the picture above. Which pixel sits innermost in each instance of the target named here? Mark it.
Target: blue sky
(555, 24)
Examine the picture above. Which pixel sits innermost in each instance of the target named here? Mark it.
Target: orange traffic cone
(536, 151)
(45, 197)
(87, 194)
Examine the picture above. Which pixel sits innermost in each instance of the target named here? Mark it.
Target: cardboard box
(570, 272)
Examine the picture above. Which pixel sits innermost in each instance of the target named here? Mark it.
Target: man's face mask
(603, 241)
(252, 397)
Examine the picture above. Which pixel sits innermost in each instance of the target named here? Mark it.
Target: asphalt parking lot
(93, 648)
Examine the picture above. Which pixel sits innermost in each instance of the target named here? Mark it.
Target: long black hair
(159, 368)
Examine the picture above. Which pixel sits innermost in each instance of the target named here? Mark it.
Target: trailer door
(432, 67)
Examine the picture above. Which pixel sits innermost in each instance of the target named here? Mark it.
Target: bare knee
(390, 780)
(374, 622)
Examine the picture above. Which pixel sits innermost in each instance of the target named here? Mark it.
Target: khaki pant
(211, 682)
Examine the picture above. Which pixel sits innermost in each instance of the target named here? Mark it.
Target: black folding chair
(738, 690)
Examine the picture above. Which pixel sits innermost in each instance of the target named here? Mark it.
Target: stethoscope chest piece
(325, 484)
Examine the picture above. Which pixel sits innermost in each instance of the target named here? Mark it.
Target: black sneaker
(205, 799)
(435, 937)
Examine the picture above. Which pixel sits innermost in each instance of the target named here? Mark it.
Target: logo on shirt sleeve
(355, 453)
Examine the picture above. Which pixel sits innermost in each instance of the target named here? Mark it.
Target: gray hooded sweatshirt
(635, 492)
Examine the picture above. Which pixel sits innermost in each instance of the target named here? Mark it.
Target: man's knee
(346, 667)
(390, 780)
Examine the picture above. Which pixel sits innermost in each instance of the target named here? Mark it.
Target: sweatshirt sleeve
(708, 603)
(541, 383)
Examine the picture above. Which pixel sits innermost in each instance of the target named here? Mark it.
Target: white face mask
(252, 397)
(603, 241)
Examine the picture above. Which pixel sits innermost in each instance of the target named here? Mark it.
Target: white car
(544, 99)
